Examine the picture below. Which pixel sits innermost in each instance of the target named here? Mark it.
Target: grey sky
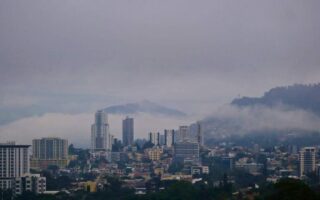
(192, 55)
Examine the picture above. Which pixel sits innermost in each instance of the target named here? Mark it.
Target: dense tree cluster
(285, 189)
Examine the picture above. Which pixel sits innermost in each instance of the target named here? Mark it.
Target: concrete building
(115, 156)
(183, 133)
(29, 182)
(90, 186)
(161, 140)
(154, 154)
(307, 159)
(14, 162)
(168, 138)
(128, 131)
(154, 138)
(252, 168)
(158, 171)
(199, 134)
(110, 141)
(196, 170)
(186, 151)
(205, 170)
(100, 133)
(49, 151)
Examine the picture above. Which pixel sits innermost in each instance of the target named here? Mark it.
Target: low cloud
(77, 127)
(230, 120)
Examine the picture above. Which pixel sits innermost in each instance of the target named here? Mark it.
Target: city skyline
(159, 99)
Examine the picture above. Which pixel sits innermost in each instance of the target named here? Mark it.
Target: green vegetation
(56, 183)
(175, 167)
(285, 189)
(82, 157)
(289, 189)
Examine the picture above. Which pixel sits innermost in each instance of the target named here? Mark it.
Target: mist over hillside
(285, 110)
(298, 96)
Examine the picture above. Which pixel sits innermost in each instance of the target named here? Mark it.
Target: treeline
(283, 190)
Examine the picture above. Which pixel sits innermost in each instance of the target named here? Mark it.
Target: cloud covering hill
(305, 97)
(282, 109)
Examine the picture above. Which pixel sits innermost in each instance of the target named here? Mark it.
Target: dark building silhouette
(127, 131)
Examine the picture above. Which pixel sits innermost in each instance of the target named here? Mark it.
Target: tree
(5, 194)
(291, 189)
(71, 150)
(175, 167)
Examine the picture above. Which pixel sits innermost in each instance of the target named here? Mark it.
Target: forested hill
(300, 96)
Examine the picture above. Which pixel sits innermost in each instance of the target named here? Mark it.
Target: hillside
(306, 97)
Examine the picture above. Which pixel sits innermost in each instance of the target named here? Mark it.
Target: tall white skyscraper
(154, 138)
(14, 162)
(100, 134)
(127, 131)
(307, 158)
(169, 137)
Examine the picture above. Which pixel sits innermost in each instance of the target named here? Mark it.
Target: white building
(14, 162)
(100, 134)
(154, 138)
(307, 158)
(29, 182)
(205, 170)
(168, 137)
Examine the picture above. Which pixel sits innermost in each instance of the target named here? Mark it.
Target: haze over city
(159, 100)
(60, 61)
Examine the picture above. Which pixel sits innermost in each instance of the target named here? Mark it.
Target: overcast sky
(78, 55)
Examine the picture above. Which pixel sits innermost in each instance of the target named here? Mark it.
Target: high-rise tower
(169, 137)
(127, 131)
(199, 134)
(49, 151)
(307, 160)
(14, 162)
(154, 138)
(183, 133)
(100, 133)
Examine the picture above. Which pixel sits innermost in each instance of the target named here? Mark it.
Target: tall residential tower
(307, 160)
(49, 151)
(183, 133)
(154, 138)
(100, 135)
(168, 137)
(127, 131)
(14, 162)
